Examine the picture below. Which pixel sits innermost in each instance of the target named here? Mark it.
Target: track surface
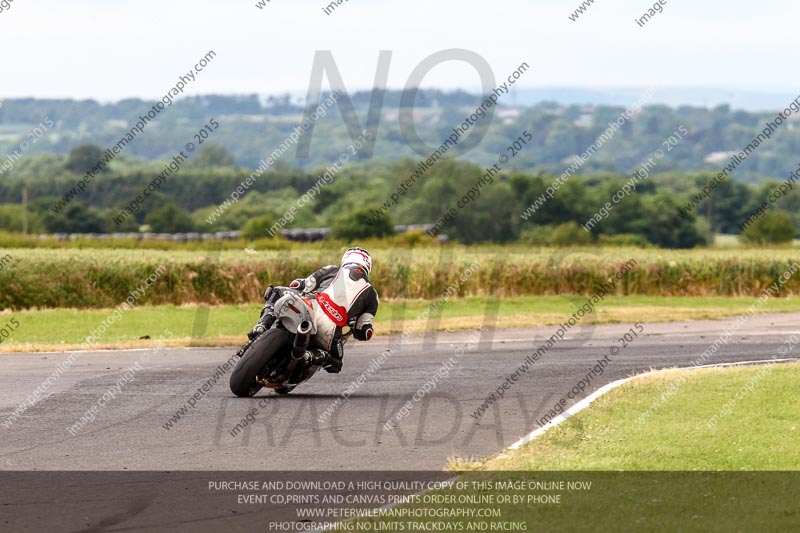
(129, 432)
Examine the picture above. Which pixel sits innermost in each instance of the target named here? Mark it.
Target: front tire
(260, 353)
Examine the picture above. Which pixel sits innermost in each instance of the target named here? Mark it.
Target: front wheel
(255, 360)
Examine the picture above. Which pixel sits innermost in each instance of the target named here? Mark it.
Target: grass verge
(723, 454)
(65, 329)
(734, 418)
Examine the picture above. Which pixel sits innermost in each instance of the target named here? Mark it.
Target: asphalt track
(129, 432)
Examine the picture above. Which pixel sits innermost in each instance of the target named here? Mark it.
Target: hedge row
(102, 279)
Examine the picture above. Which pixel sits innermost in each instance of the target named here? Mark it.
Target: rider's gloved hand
(257, 330)
(363, 334)
(304, 284)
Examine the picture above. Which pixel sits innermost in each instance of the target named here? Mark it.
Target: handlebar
(351, 325)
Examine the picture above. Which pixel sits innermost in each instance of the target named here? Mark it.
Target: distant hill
(708, 97)
(252, 127)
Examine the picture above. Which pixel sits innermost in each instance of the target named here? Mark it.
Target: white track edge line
(569, 413)
(586, 402)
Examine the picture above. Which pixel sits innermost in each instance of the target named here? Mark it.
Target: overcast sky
(112, 49)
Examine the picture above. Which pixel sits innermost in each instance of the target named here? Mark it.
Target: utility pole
(24, 210)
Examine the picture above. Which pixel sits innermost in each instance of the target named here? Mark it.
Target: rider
(344, 294)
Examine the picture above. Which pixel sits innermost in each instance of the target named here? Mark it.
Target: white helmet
(358, 256)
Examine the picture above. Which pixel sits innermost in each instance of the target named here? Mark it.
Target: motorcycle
(278, 359)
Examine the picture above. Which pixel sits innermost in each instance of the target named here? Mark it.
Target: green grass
(669, 472)
(58, 329)
(761, 431)
(99, 278)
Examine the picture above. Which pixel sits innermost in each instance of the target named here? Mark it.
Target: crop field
(102, 278)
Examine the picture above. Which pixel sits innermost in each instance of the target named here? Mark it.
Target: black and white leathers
(342, 294)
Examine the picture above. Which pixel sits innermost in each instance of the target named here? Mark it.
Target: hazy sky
(111, 49)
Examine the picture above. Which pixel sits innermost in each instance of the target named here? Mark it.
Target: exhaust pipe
(301, 340)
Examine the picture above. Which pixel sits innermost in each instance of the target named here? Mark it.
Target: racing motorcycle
(279, 359)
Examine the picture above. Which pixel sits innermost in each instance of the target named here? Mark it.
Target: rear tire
(260, 353)
(285, 390)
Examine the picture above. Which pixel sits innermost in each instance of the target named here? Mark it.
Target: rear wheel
(255, 360)
(285, 390)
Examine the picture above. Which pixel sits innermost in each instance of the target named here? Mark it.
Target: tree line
(648, 216)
